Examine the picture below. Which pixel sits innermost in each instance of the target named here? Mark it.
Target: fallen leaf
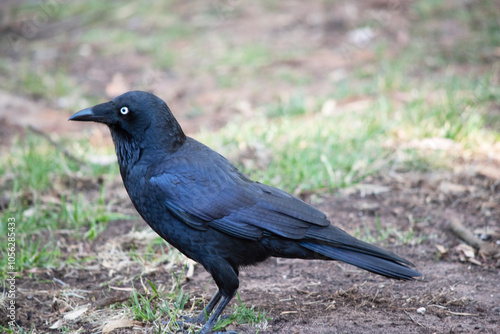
(56, 325)
(441, 249)
(466, 254)
(467, 250)
(75, 314)
(114, 324)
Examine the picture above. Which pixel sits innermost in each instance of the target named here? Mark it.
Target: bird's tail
(343, 247)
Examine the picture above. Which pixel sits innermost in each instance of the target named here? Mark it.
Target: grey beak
(84, 115)
(102, 113)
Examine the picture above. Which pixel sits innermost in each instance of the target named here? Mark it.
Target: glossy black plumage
(201, 204)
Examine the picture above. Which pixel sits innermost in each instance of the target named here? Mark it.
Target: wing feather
(208, 191)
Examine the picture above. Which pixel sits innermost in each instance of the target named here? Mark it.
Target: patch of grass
(35, 245)
(292, 77)
(309, 152)
(56, 11)
(232, 64)
(32, 164)
(160, 307)
(37, 83)
(39, 76)
(286, 106)
(251, 55)
(36, 178)
(477, 25)
(32, 253)
(18, 330)
(144, 307)
(165, 309)
(242, 314)
(383, 234)
(158, 251)
(158, 17)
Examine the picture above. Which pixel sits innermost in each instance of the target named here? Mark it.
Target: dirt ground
(458, 292)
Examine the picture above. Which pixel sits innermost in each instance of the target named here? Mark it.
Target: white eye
(124, 110)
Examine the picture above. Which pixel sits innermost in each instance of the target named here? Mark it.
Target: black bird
(202, 205)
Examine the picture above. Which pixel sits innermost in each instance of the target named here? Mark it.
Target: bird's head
(136, 117)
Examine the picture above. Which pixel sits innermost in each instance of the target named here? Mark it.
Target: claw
(194, 320)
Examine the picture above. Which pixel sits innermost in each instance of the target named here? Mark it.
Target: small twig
(146, 291)
(57, 280)
(445, 309)
(111, 300)
(72, 294)
(463, 233)
(120, 289)
(438, 306)
(418, 323)
(465, 314)
(57, 145)
(375, 297)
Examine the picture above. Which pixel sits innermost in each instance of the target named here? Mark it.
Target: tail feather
(385, 265)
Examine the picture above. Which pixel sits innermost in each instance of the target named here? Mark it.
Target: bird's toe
(194, 320)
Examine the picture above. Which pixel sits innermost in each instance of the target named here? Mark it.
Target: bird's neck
(136, 151)
(128, 152)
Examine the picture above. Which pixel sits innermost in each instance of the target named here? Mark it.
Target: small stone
(421, 310)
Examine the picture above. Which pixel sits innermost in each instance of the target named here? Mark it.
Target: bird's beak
(83, 115)
(99, 113)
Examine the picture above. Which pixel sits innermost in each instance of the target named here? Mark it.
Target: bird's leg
(218, 311)
(226, 278)
(202, 317)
